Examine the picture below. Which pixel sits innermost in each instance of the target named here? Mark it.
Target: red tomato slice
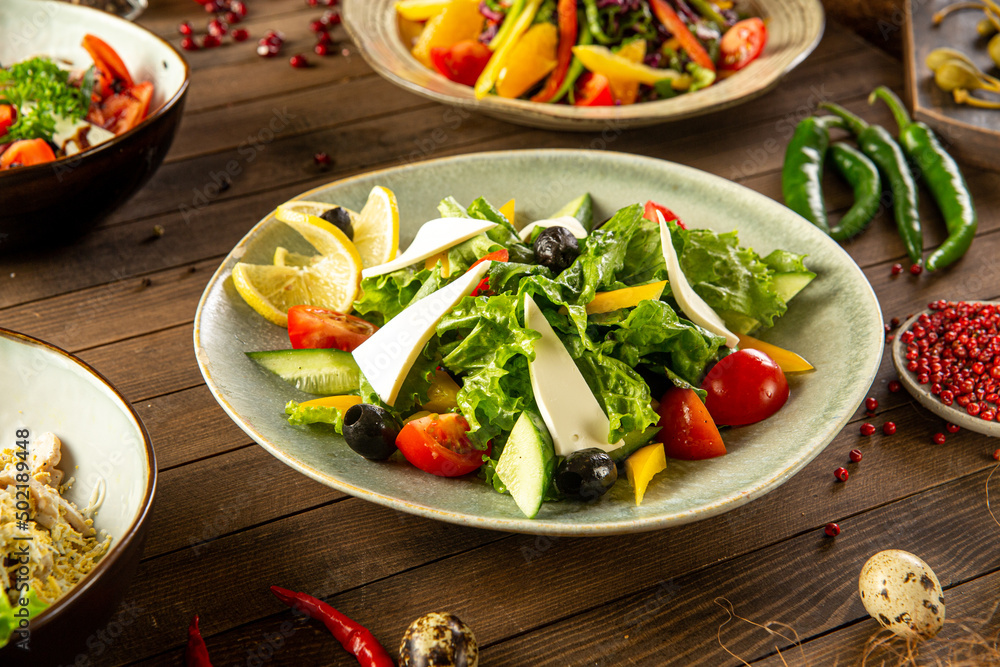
(496, 256)
(744, 388)
(593, 90)
(438, 444)
(7, 118)
(312, 327)
(461, 62)
(121, 112)
(650, 213)
(686, 428)
(27, 152)
(742, 44)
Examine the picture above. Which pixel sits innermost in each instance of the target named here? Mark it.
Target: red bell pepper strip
(672, 22)
(355, 638)
(461, 62)
(109, 64)
(196, 654)
(25, 153)
(496, 256)
(568, 31)
(593, 90)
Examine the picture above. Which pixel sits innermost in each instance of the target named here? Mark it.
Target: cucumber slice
(789, 284)
(325, 372)
(581, 208)
(525, 466)
(633, 442)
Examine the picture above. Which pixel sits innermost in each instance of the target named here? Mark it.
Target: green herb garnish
(41, 92)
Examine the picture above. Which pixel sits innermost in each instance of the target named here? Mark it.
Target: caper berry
(556, 248)
(341, 219)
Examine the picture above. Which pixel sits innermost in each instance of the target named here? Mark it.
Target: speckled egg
(901, 592)
(438, 639)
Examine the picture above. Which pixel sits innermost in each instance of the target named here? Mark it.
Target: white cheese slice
(433, 237)
(567, 221)
(67, 132)
(388, 355)
(693, 305)
(571, 412)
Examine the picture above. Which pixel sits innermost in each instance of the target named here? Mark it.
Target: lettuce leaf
(621, 391)
(299, 414)
(483, 341)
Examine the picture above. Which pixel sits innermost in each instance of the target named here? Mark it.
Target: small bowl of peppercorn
(948, 358)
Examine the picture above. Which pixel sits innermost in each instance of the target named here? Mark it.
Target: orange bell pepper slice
(109, 64)
(26, 153)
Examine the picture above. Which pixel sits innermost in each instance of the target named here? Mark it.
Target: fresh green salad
(548, 359)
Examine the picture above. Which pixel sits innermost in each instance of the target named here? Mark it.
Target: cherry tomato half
(25, 153)
(314, 328)
(438, 444)
(461, 62)
(742, 44)
(649, 212)
(686, 428)
(744, 388)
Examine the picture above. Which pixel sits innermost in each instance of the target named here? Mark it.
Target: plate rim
(522, 524)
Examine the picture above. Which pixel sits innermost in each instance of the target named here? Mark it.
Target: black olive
(586, 474)
(556, 248)
(371, 431)
(341, 219)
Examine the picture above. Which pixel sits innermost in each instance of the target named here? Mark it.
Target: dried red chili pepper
(355, 638)
(197, 653)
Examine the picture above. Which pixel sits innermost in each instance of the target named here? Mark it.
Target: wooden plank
(212, 498)
(164, 16)
(529, 577)
(335, 548)
(188, 425)
(809, 582)
(971, 611)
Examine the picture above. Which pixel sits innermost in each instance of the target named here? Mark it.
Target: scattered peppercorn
(831, 530)
(867, 428)
(322, 159)
(871, 404)
(298, 61)
(841, 474)
(916, 269)
(996, 454)
(855, 455)
(897, 269)
(894, 322)
(889, 428)
(185, 28)
(188, 44)
(240, 34)
(895, 386)
(939, 438)
(321, 50)
(210, 41)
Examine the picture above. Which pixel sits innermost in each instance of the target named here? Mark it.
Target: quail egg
(438, 639)
(902, 593)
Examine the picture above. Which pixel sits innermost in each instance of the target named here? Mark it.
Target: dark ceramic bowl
(107, 450)
(56, 202)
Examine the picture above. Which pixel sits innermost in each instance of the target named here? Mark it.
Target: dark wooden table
(230, 520)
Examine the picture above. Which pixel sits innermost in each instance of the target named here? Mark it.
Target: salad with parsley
(549, 359)
(48, 111)
(581, 52)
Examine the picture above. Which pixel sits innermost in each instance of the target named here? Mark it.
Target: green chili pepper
(943, 177)
(594, 23)
(576, 68)
(876, 142)
(802, 173)
(863, 177)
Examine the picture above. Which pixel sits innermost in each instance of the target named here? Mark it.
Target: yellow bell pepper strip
(442, 257)
(642, 466)
(673, 23)
(499, 60)
(568, 32)
(531, 59)
(420, 10)
(786, 359)
(342, 403)
(600, 60)
(626, 91)
(507, 210)
(459, 21)
(629, 297)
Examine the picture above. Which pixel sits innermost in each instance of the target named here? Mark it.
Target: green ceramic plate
(836, 323)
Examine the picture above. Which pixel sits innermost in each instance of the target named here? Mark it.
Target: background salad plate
(794, 29)
(835, 323)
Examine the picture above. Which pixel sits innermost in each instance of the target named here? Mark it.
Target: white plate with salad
(580, 377)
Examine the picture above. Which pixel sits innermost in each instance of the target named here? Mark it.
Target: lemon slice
(299, 210)
(376, 229)
(284, 257)
(329, 280)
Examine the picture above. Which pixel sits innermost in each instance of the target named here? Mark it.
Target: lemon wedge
(376, 228)
(329, 280)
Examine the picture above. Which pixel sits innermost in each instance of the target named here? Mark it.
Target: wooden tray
(972, 135)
